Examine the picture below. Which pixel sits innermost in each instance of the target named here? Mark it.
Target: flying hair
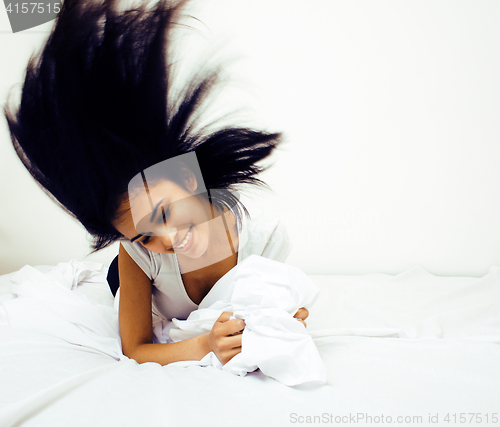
(96, 109)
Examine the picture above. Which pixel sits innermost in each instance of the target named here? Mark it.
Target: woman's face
(167, 219)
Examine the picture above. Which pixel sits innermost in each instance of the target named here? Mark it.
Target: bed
(411, 348)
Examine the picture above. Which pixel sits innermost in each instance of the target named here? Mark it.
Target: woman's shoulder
(149, 262)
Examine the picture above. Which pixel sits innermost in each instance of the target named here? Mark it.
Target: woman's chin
(195, 253)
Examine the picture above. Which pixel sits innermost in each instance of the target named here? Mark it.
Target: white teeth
(186, 239)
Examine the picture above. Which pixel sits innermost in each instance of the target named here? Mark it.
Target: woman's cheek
(202, 239)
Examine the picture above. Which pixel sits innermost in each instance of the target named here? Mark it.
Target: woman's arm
(136, 328)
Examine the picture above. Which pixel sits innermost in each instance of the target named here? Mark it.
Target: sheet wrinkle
(266, 294)
(50, 304)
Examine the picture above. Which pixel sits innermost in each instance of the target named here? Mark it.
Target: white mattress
(411, 345)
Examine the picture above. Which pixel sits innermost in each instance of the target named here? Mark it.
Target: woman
(96, 118)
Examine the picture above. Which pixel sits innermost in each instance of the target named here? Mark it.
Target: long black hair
(96, 109)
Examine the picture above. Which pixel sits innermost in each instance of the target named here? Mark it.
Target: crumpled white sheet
(266, 294)
(51, 304)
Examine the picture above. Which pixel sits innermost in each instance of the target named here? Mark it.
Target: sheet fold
(266, 294)
(50, 304)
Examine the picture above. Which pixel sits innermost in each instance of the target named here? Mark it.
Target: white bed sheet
(410, 345)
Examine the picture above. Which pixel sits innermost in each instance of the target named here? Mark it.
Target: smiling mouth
(186, 239)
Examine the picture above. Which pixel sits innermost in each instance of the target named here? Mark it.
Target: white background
(390, 111)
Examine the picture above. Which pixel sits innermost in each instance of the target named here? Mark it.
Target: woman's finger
(230, 327)
(232, 342)
(302, 313)
(224, 317)
(227, 355)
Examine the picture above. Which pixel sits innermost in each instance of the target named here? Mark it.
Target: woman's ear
(189, 180)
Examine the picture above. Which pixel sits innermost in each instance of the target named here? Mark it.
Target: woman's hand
(301, 315)
(225, 337)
